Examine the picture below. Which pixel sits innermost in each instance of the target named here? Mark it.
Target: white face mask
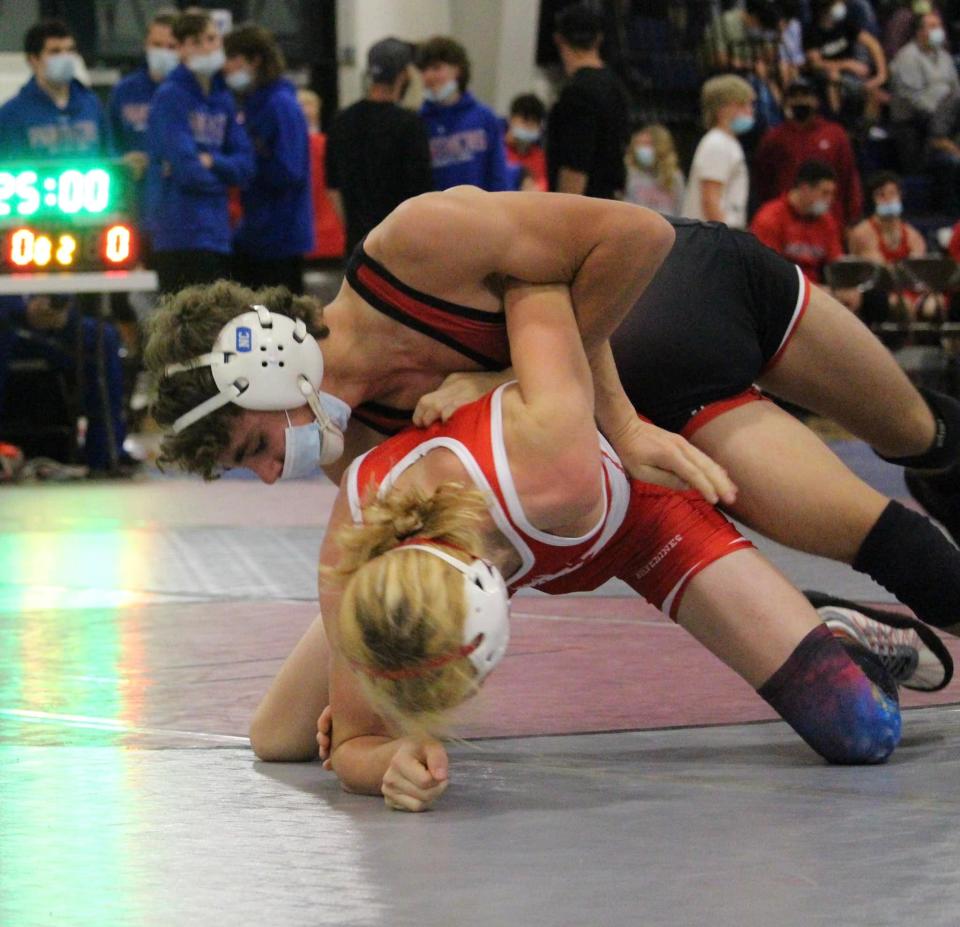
(161, 61)
(442, 93)
(819, 208)
(207, 65)
(937, 37)
(314, 445)
(60, 68)
(839, 12)
(239, 81)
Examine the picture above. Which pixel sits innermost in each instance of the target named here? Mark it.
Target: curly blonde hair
(402, 608)
(185, 326)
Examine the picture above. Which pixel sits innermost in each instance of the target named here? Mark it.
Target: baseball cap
(387, 58)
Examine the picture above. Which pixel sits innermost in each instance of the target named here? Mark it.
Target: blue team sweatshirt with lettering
(33, 126)
(127, 112)
(277, 204)
(191, 202)
(466, 144)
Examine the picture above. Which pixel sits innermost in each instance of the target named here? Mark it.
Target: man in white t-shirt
(719, 182)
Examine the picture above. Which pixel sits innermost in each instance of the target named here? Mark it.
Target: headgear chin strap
(486, 627)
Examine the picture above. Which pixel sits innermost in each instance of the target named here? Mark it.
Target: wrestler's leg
(795, 490)
(836, 695)
(792, 487)
(284, 725)
(834, 366)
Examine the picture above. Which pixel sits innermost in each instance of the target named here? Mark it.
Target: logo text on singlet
(673, 542)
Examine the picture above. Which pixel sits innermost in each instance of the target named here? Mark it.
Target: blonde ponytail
(402, 611)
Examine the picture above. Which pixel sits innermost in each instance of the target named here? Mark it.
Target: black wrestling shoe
(940, 504)
(910, 651)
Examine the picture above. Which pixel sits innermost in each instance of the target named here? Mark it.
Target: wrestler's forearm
(612, 409)
(629, 250)
(361, 762)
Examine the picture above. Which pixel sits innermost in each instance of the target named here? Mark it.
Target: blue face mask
(645, 155)
(60, 68)
(305, 449)
(819, 208)
(443, 93)
(238, 81)
(161, 61)
(742, 124)
(525, 135)
(207, 65)
(890, 210)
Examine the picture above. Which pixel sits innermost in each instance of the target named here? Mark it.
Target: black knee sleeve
(945, 450)
(907, 555)
(846, 709)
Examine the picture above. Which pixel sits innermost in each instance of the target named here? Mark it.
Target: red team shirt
(785, 147)
(653, 538)
(809, 242)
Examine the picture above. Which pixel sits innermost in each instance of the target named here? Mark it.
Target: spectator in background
(523, 141)
(719, 184)
(654, 178)
(804, 136)
(45, 328)
(852, 78)
(736, 40)
(129, 104)
(276, 230)
(328, 234)
(466, 143)
(197, 150)
(885, 238)
(377, 152)
(588, 126)
(926, 93)
(798, 224)
(128, 111)
(901, 25)
(53, 115)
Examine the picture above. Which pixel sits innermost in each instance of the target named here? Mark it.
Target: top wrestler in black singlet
(712, 318)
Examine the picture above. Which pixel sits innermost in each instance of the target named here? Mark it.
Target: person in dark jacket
(53, 115)
(276, 230)
(466, 141)
(197, 149)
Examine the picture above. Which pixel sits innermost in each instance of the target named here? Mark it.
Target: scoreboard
(66, 216)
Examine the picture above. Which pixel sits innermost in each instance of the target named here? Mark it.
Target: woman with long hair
(520, 485)
(654, 178)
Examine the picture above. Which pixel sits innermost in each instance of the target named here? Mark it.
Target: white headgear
(488, 609)
(264, 361)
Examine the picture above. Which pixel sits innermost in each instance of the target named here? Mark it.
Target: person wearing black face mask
(807, 135)
(377, 151)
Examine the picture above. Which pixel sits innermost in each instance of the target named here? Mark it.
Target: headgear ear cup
(260, 360)
(488, 608)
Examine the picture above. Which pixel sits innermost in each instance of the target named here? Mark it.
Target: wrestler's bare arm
(606, 251)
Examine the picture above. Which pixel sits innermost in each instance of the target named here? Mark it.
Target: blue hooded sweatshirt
(128, 109)
(277, 204)
(466, 144)
(191, 200)
(31, 124)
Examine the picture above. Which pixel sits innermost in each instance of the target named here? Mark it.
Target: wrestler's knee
(839, 699)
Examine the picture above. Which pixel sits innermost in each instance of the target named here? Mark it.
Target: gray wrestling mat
(728, 826)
